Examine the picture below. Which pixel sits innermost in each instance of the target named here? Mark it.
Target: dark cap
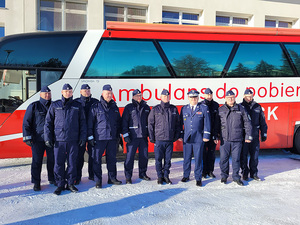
(67, 87)
(85, 86)
(208, 91)
(45, 89)
(135, 92)
(193, 93)
(248, 92)
(107, 87)
(165, 92)
(230, 93)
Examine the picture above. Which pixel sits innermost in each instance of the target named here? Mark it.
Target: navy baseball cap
(248, 92)
(67, 87)
(165, 92)
(45, 89)
(135, 92)
(208, 91)
(85, 86)
(230, 93)
(193, 93)
(107, 87)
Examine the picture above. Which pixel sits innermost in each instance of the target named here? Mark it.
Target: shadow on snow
(109, 209)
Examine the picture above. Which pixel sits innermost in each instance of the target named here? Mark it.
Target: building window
(2, 3)
(231, 21)
(62, 15)
(180, 18)
(277, 23)
(2, 31)
(124, 14)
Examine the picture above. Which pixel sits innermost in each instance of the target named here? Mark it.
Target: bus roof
(147, 27)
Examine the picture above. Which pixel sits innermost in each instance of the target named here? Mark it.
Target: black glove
(29, 143)
(127, 139)
(49, 144)
(152, 141)
(81, 143)
(263, 138)
(91, 142)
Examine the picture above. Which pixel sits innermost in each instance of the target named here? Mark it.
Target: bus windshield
(31, 61)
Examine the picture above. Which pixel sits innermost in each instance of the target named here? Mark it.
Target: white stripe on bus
(83, 54)
(10, 137)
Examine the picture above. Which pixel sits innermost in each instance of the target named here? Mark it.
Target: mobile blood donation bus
(152, 57)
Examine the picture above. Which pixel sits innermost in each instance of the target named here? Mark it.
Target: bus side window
(294, 51)
(260, 60)
(49, 77)
(126, 58)
(197, 59)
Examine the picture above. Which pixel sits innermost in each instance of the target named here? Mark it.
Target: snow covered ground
(274, 200)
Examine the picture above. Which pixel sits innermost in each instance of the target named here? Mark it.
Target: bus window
(122, 58)
(261, 60)
(16, 86)
(197, 59)
(294, 51)
(49, 77)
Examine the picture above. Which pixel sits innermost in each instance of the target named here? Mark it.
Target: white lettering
(272, 113)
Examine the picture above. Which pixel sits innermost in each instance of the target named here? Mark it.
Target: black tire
(296, 147)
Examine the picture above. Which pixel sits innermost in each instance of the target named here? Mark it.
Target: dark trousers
(111, 152)
(38, 150)
(142, 145)
(80, 162)
(253, 149)
(235, 149)
(209, 157)
(90, 161)
(65, 151)
(163, 151)
(188, 149)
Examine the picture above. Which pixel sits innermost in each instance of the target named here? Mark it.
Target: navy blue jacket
(135, 120)
(196, 124)
(65, 121)
(258, 119)
(164, 123)
(34, 120)
(234, 123)
(213, 110)
(104, 121)
(86, 103)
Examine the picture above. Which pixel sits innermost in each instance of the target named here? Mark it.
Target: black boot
(58, 190)
(98, 184)
(72, 188)
(114, 181)
(37, 187)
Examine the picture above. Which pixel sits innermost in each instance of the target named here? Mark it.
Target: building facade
(21, 16)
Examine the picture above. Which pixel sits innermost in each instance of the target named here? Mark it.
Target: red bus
(152, 57)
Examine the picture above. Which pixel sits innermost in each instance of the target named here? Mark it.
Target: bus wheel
(296, 148)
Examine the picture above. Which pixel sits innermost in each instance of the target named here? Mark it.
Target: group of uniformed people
(66, 128)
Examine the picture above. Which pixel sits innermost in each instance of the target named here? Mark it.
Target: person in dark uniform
(210, 146)
(164, 129)
(196, 121)
(135, 133)
(65, 129)
(104, 129)
(233, 122)
(33, 136)
(86, 101)
(258, 122)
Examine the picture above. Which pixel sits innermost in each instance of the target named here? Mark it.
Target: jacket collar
(85, 99)
(66, 101)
